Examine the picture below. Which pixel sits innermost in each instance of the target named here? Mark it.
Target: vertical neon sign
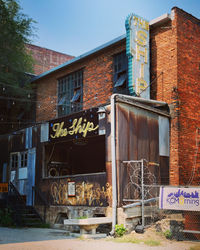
(137, 50)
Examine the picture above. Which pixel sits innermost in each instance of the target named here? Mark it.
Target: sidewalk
(53, 239)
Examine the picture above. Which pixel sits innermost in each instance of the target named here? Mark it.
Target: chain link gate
(142, 188)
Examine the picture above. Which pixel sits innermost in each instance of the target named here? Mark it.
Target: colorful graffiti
(89, 194)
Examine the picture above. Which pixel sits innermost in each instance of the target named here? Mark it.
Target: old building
(46, 59)
(77, 152)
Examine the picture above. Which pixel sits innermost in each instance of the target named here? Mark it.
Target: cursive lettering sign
(79, 126)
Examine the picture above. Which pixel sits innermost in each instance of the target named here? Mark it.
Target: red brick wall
(164, 78)
(46, 59)
(97, 83)
(175, 58)
(188, 32)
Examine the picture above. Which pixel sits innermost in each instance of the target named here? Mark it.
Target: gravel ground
(51, 239)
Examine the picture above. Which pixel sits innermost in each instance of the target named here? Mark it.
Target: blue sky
(77, 26)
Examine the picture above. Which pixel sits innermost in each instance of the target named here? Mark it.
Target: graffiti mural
(88, 194)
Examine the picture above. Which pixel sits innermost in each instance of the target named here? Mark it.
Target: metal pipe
(114, 172)
(142, 181)
(143, 100)
(139, 203)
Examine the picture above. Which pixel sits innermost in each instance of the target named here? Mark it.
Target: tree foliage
(16, 29)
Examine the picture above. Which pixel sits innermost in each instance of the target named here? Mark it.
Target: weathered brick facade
(175, 79)
(175, 57)
(46, 59)
(97, 86)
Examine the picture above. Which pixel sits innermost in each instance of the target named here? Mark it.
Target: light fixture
(102, 111)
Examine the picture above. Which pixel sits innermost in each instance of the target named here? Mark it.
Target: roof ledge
(160, 20)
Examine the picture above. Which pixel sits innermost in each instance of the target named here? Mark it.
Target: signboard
(3, 187)
(177, 198)
(137, 50)
(71, 189)
(75, 126)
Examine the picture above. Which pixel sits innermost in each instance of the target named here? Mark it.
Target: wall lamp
(102, 111)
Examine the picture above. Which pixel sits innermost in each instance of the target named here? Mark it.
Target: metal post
(114, 171)
(142, 186)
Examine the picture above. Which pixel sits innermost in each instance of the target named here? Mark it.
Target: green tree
(16, 29)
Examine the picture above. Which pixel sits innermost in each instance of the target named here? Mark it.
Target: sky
(77, 26)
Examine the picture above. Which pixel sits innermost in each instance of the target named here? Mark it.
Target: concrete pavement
(54, 239)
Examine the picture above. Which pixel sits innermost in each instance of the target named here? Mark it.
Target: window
(14, 161)
(83, 156)
(19, 160)
(70, 93)
(120, 73)
(24, 157)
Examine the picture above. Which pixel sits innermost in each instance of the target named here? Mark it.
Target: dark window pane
(70, 91)
(120, 73)
(120, 81)
(76, 96)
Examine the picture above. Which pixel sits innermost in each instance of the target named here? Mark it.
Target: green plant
(120, 230)
(132, 239)
(168, 234)
(6, 217)
(82, 217)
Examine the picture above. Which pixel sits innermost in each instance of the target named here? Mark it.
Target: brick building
(174, 55)
(69, 102)
(46, 59)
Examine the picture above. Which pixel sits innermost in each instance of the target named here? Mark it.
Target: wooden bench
(89, 225)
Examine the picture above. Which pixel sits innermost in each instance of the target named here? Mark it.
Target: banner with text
(178, 198)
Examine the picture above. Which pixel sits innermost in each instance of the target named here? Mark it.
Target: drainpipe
(113, 154)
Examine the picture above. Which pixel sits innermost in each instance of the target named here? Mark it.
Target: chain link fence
(142, 190)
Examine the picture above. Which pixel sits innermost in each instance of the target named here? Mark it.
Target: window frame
(68, 86)
(120, 68)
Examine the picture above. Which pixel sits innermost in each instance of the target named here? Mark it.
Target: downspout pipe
(113, 157)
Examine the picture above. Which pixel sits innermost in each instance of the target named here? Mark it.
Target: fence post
(142, 187)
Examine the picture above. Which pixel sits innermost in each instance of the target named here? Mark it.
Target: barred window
(120, 73)
(70, 93)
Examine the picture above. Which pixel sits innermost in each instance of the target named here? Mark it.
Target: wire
(197, 140)
(26, 90)
(151, 83)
